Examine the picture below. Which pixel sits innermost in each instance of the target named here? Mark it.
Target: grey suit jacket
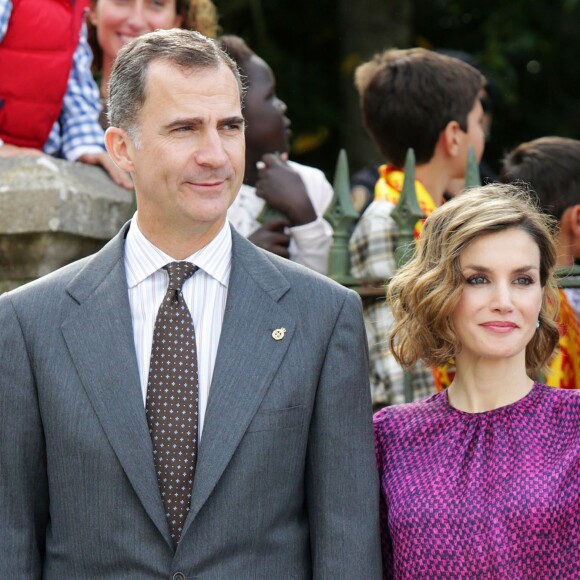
(286, 484)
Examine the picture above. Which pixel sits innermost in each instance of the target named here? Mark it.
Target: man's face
(189, 163)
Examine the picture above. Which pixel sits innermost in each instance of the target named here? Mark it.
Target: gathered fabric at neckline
(518, 405)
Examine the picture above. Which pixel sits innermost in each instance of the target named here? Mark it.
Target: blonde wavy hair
(424, 293)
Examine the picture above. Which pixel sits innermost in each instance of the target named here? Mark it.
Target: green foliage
(530, 51)
(298, 39)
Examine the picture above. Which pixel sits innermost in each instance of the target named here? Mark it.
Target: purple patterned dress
(492, 495)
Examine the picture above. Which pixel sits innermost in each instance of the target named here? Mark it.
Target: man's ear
(451, 138)
(120, 148)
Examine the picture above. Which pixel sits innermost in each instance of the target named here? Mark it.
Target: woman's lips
(500, 326)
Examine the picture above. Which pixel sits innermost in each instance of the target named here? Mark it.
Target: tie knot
(179, 272)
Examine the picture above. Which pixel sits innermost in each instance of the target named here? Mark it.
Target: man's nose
(211, 151)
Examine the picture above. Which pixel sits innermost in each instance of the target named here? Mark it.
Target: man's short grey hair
(186, 49)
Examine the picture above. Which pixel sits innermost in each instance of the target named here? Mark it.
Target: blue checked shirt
(77, 130)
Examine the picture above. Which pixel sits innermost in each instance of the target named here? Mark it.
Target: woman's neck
(484, 385)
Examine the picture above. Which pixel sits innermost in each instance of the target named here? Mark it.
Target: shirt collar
(143, 259)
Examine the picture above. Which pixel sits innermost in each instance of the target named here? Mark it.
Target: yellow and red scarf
(390, 185)
(564, 371)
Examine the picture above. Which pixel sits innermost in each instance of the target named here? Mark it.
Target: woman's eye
(524, 280)
(477, 279)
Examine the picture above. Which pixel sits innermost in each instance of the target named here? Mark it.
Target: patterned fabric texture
(492, 495)
(172, 399)
(386, 375)
(372, 252)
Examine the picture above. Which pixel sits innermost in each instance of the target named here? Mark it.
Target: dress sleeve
(386, 544)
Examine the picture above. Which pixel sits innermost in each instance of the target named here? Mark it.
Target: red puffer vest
(35, 64)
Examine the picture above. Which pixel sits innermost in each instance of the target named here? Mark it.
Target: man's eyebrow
(198, 121)
(184, 122)
(236, 120)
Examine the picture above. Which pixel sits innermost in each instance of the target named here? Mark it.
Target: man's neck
(177, 245)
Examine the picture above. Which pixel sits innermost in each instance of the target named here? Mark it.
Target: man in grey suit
(273, 472)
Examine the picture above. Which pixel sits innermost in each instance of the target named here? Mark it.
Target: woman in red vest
(48, 102)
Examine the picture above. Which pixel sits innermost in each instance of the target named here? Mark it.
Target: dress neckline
(520, 404)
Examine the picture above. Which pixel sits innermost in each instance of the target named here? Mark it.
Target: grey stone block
(53, 212)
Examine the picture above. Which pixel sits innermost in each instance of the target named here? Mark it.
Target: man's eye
(234, 127)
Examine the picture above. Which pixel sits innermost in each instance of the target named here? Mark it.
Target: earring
(538, 323)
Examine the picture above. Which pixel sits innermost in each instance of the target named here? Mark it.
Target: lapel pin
(279, 333)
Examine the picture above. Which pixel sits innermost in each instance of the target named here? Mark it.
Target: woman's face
(267, 127)
(120, 21)
(502, 296)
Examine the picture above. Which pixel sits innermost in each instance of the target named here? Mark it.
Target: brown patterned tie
(172, 399)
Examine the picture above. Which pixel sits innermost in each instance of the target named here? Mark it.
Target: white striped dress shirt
(205, 294)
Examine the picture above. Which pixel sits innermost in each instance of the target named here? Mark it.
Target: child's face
(475, 132)
(267, 127)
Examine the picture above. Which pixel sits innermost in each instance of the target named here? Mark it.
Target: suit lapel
(99, 335)
(247, 360)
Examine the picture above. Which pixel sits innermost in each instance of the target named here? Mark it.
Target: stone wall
(53, 212)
